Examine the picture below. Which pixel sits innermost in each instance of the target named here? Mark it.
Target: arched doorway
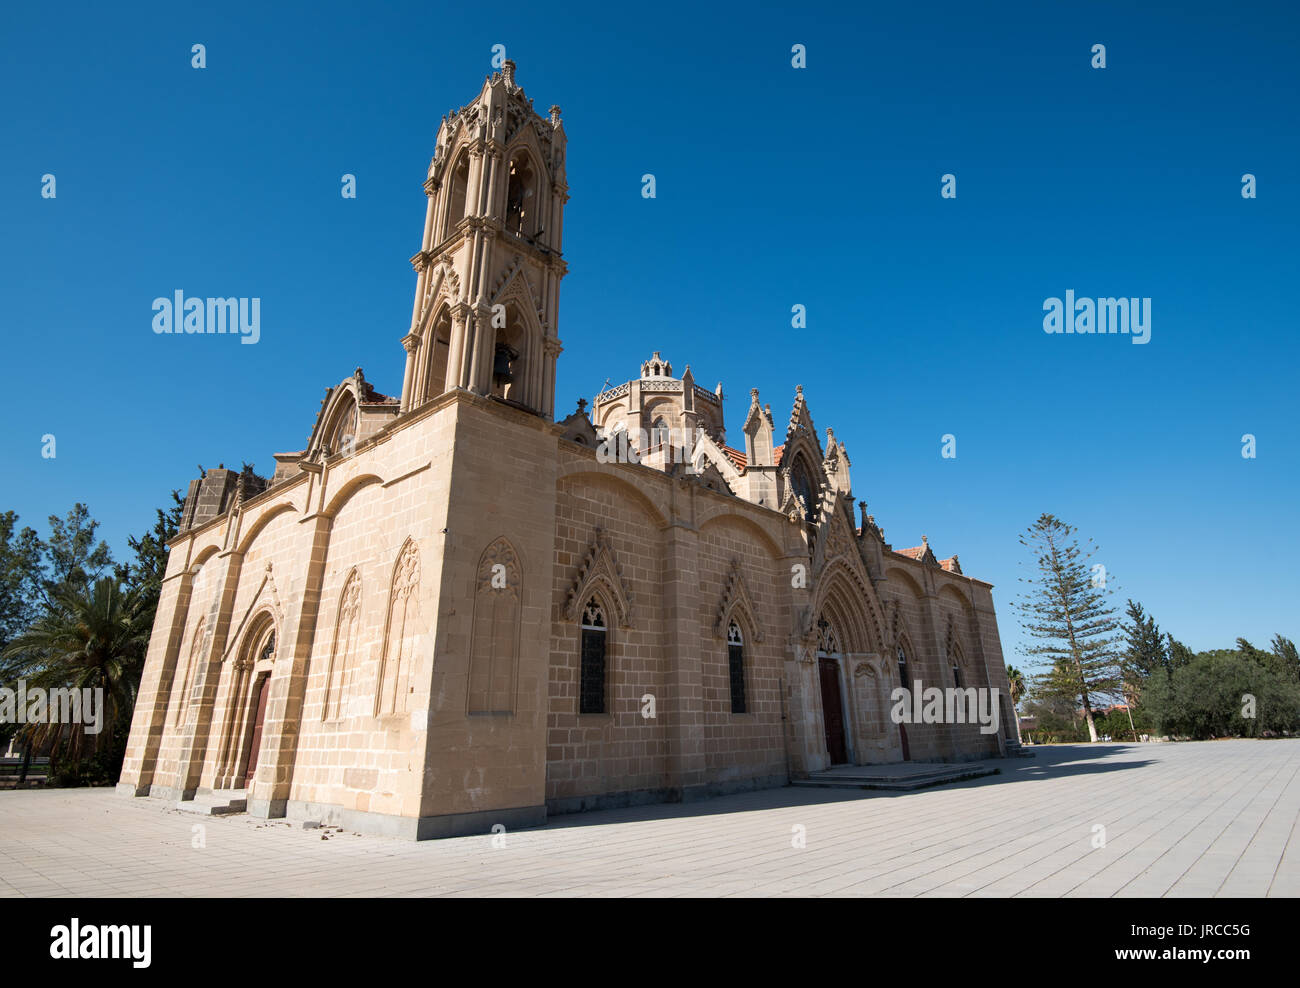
(256, 696)
(834, 719)
(905, 680)
(262, 691)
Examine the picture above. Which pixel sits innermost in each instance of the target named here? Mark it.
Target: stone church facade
(451, 610)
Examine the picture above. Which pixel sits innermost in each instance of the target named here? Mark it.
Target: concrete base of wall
(174, 793)
(414, 828)
(267, 809)
(671, 794)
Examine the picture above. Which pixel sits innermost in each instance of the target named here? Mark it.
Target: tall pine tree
(1066, 610)
(1143, 654)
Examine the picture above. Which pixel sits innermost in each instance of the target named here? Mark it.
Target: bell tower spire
(489, 267)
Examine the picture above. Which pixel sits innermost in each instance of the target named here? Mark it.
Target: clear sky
(776, 186)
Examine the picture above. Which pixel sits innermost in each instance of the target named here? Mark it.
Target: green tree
(1066, 611)
(1224, 693)
(1288, 657)
(20, 565)
(1177, 655)
(70, 553)
(1016, 685)
(144, 574)
(93, 637)
(1144, 653)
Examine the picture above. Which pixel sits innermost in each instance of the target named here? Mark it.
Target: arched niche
(457, 191)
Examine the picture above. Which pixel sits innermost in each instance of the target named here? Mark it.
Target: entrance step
(220, 803)
(892, 778)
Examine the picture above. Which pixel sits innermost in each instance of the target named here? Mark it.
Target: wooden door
(833, 711)
(902, 736)
(263, 691)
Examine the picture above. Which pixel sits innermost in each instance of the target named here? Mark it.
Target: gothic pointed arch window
(958, 678)
(191, 666)
(802, 483)
(439, 347)
(494, 641)
(736, 666)
(521, 196)
(904, 675)
(457, 191)
(265, 654)
(659, 433)
(400, 633)
(511, 354)
(591, 687)
(341, 434)
(828, 641)
(338, 686)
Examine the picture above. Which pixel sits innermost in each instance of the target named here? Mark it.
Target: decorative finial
(798, 389)
(924, 540)
(753, 394)
(508, 73)
(582, 405)
(555, 116)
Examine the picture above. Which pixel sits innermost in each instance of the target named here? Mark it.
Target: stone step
(1016, 750)
(222, 803)
(892, 783)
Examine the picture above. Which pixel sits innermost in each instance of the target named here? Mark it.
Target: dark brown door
(902, 736)
(263, 692)
(832, 711)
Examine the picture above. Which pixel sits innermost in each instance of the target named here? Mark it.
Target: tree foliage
(1224, 693)
(72, 619)
(144, 574)
(94, 637)
(1066, 611)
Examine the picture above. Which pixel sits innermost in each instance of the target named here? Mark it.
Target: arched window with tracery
(736, 666)
(827, 641)
(400, 633)
(660, 435)
(191, 665)
(801, 481)
(338, 685)
(521, 197)
(341, 432)
(904, 676)
(494, 641)
(457, 192)
(591, 692)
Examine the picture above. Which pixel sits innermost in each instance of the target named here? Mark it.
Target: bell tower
(489, 267)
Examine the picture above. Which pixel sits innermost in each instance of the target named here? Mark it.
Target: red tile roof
(736, 456)
(776, 454)
(916, 552)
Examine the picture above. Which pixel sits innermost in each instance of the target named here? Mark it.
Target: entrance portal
(263, 691)
(832, 710)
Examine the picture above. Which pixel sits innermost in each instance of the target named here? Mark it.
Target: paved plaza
(1195, 819)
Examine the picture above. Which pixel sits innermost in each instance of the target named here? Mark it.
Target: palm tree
(1016, 683)
(92, 637)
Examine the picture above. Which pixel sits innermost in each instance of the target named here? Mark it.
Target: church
(454, 610)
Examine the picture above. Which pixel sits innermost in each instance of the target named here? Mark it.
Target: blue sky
(775, 187)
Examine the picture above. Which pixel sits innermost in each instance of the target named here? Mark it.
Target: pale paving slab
(1214, 818)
